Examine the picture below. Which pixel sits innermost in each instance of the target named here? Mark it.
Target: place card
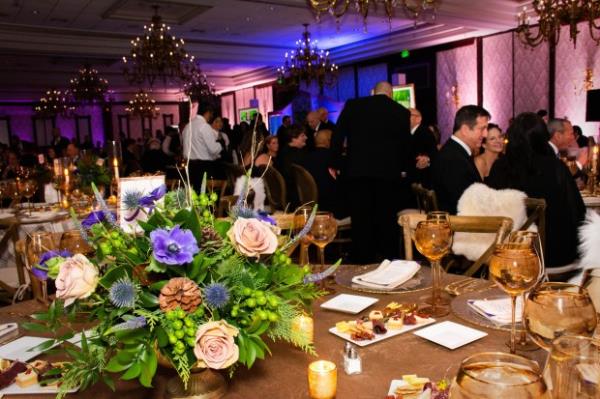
(450, 334)
(138, 186)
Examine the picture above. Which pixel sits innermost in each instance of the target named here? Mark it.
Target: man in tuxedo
(313, 126)
(423, 149)
(453, 169)
(325, 124)
(377, 132)
(282, 135)
(59, 142)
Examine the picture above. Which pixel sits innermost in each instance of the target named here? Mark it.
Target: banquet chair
(233, 171)
(305, 185)
(226, 202)
(217, 186)
(536, 213)
(8, 283)
(426, 199)
(275, 189)
(501, 226)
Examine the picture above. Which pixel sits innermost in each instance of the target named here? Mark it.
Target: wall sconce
(588, 82)
(453, 95)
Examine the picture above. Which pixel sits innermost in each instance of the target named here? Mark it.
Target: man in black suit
(377, 132)
(59, 142)
(325, 124)
(282, 135)
(317, 163)
(454, 170)
(423, 149)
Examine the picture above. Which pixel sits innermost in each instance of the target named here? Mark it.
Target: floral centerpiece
(192, 291)
(91, 169)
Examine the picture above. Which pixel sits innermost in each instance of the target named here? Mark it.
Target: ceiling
(239, 42)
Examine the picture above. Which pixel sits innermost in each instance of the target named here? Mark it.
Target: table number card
(132, 187)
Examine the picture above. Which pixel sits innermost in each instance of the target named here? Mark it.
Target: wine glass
(37, 244)
(556, 309)
(433, 239)
(27, 189)
(322, 232)
(15, 194)
(574, 367)
(532, 240)
(73, 242)
(300, 219)
(492, 375)
(440, 216)
(516, 269)
(3, 192)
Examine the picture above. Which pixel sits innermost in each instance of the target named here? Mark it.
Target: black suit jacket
(453, 171)
(327, 125)
(422, 143)
(316, 163)
(377, 131)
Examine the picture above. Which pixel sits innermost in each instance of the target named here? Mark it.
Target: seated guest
(131, 162)
(12, 166)
(491, 148)
(317, 163)
(423, 149)
(562, 137)
(282, 130)
(294, 153)
(72, 152)
(530, 165)
(542, 113)
(154, 159)
(269, 152)
(582, 141)
(454, 170)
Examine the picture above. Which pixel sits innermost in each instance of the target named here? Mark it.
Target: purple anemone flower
(173, 247)
(264, 217)
(41, 269)
(96, 217)
(156, 194)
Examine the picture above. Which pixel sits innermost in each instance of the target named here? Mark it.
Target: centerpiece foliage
(189, 290)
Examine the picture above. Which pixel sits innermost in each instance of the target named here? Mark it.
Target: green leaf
(148, 299)
(149, 368)
(111, 276)
(42, 316)
(261, 343)
(133, 372)
(222, 227)
(158, 285)
(161, 337)
(43, 346)
(264, 326)
(196, 266)
(147, 227)
(251, 353)
(114, 366)
(108, 380)
(156, 266)
(242, 348)
(35, 327)
(124, 357)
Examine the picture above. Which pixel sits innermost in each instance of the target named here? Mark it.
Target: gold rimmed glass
(493, 375)
(556, 309)
(515, 269)
(322, 232)
(574, 367)
(433, 239)
(27, 189)
(301, 217)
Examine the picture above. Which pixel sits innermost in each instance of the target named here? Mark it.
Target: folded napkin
(497, 310)
(388, 275)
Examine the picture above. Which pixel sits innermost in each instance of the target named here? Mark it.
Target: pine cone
(180, 292)
(211, 240)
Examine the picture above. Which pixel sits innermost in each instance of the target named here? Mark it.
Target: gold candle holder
(322, 379)
(304, 325)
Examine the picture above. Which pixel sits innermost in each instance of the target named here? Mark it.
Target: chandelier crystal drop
(552, 14)
(157, 55)
(88, 87)
(54, 103)
(198, 85)
(307, 63)
(142, 105)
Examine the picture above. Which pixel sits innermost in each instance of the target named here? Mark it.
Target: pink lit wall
(135, 123)
(497, 78)
(571, 64)
(532, 77)
(455, 67)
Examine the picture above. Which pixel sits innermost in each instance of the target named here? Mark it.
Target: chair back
(536, 211)
(233, 171)
(217, 186)
(225, 204)
(426, 199)
(275, 189)
(305, 184)
(501, 226)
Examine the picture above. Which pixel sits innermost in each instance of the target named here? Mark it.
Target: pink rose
(215, 347)
(77, 279)
(252, 237)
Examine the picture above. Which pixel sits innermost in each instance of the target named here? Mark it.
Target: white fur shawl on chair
(256, 184)
(480, 200)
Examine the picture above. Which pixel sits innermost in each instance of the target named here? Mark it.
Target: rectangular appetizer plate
(347, 303)
(381, 337)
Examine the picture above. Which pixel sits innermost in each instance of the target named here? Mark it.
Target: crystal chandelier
(54, 103)
(157, 55)
(555, 13)
(198, 85)
(142, 105)
(413, 9)
(308, 64)
(88, 87)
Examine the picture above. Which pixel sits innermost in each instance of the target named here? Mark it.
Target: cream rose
(252, 237)
(77, 279)
(215, 347)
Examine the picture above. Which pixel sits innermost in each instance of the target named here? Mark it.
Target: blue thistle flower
(216, 295)
(132, 324)
(131, 199)
(123, 293)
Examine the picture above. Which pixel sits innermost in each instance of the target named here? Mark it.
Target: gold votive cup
(322, 379)
(304, 325)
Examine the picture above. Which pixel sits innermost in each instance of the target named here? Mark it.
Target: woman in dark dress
(531, 166)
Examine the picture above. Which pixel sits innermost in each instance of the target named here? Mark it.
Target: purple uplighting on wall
(497, 78)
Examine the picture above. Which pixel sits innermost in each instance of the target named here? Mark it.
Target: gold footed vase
(203, 384)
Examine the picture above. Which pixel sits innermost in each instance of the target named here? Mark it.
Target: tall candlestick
(66, 172)
(116, 167)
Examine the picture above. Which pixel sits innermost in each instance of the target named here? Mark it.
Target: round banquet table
(284, 374)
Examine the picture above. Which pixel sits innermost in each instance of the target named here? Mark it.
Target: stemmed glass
(38, 242)
(556, 309)
(516, 269)
(300, 219)
(3, 191)
(27, 189)
(322, 232)
(433, 239)
(494, 375)
(73, 242)
(14, 192)
(574, 366)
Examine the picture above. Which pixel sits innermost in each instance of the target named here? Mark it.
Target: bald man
(324, 119)
(377, 132)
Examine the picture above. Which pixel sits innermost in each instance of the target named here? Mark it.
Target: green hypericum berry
(190, 331)
(273, 316)
(288, 261)
(244, 322)
(172, 339)
(234, 312)
(179, 344)
(177, 324)
(213, 197)
(188, 322)
(263, 315)
(171, 315)
(203, 201)
(251, 302)
(181, 313)
(206, 214)
(273, 302)
(179, 334)
(179, 351)
(190, 341)
(261, 300)
(199, 312)
(246, 291)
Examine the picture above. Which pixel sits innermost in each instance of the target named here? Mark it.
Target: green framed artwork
(247, 114)
(404, 95)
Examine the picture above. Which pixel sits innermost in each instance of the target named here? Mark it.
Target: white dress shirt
(554, 148)
(462, 144)
(200, 141)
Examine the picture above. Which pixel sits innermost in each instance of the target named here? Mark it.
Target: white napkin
(388, 275)
(50, 194)
(497, 310)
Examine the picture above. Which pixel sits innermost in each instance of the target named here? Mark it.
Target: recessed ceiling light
(35, 12)
(248, 19)
(227, 29)
(271, 8)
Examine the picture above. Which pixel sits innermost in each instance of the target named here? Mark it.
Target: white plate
(19, 348)
(451, 335)
(14, 389)
(395, 384)
(346, 303)
(8, 328)
(380, 337)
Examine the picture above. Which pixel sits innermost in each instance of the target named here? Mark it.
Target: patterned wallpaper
(497, 78)
(571, 64)
(369, 76)
(455, 67)
(531, 77)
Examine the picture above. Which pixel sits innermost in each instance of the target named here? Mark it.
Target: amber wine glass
(301, 217)
(556, 309)
(494, 375)
(433, 239)
(27, 189)
(322, 232)
(515, 269)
